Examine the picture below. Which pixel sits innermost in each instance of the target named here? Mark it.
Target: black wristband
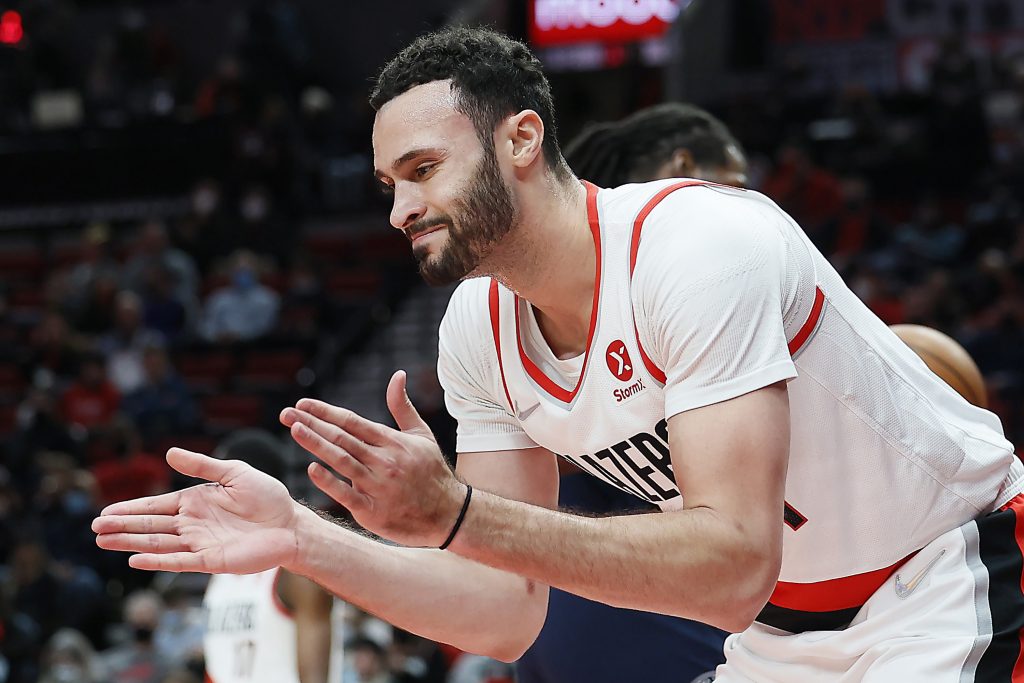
(458, 522)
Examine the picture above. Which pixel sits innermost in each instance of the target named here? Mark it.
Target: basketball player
(583, 640)
(272, 626)
(841, 510)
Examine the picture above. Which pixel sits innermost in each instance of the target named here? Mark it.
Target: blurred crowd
(119, 338)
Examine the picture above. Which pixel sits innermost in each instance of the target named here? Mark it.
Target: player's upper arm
(529, 475)
(730, 461)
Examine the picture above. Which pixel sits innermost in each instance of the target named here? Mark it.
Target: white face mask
(67, 673)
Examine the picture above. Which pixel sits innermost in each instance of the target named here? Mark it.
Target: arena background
(144, 144)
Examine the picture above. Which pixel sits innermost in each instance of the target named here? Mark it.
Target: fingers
(356, 425)
(332, 434)
(337, 489)
(406, 416)
(143, 543)
(202, 466)
(172, 562)
(335, 457)
(135, 524)
(164, 504)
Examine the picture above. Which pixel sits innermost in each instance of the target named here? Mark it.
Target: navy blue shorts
(586, 641)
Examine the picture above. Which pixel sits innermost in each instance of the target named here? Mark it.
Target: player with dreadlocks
(671, 140)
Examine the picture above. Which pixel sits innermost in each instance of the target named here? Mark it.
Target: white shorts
(953, 613)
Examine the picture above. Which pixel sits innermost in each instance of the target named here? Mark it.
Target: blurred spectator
(262, 228)
(66, 505)
(162, 311)
(163, 405)
(53, 349)
(20, 638)
(34, 587)
(95, 260)
(179, 635)
(808, 192)
(40, 428)
(856, 229)
(124, 344)
(92, 400)
(70, 658)
(205, 233)
(413, 659)
(133, 472)
(153, 248)
(95, 314)
(368, 661)
(245, 309)
(136, 660)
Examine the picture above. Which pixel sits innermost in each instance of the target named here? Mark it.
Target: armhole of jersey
(276, 595)
(634, 247)
(492, 303)
(806, 330)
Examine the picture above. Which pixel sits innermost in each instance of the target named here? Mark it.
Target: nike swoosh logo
(522, 416)
(903, 590)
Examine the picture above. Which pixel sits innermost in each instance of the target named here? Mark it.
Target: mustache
(420, 227)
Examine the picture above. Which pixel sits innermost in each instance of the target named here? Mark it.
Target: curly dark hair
(493, 77)
(613, 153)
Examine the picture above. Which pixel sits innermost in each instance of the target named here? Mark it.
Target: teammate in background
(272, 626)
(823, 495)
(583, 640)
(671, 140)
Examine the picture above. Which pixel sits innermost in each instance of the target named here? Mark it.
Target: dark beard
(482, 215)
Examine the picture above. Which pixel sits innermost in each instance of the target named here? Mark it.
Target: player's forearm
(433, 593)
(689, 563)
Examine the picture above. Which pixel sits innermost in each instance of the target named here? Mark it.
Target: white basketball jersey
(705, 293)
(250, 635)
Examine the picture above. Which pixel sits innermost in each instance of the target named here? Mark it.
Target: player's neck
(551, 263)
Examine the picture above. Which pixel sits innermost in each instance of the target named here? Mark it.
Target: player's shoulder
(468, 308)
(628, 202)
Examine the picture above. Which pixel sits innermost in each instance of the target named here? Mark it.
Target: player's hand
(243, 522)
(399, 485)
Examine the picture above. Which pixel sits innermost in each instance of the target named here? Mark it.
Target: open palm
(242, 522)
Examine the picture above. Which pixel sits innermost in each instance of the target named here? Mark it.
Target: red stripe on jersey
(834, 594)
(1017, 506)
(538, 376)
(812, 321)
(634, 247)
(492, 303)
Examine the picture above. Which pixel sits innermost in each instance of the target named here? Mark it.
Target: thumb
(201, 466)
(402, 409)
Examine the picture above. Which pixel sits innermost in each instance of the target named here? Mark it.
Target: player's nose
(408, 208)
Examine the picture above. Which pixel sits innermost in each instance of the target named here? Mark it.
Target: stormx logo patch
(630, 391)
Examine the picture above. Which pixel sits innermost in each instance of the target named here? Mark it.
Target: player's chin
(438, 271)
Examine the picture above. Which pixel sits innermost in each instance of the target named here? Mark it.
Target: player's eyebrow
(411, 154)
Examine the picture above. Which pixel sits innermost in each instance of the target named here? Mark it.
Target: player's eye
(424, 169)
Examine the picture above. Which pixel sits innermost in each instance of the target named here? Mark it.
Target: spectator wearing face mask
(242, 311)
(137, 660)
(69, 658)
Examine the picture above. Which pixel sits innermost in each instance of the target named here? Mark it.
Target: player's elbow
(750, 592)
(512, 644)
(519, 631)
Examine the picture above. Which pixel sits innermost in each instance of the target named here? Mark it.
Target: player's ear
(524, 133)
(683, 165)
